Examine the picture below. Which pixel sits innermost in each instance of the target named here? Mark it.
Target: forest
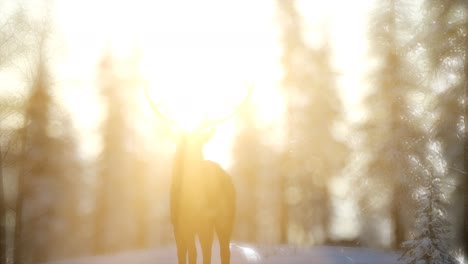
(354, 133)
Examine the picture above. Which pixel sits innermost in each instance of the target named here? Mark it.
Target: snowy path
(248, 254)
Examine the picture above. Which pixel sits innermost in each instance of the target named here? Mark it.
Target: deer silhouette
(202, 195)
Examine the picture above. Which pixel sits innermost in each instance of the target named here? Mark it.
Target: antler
(212, 123)
(205, 125)
(155, 108)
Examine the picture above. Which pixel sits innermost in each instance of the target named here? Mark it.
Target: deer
(202, 194)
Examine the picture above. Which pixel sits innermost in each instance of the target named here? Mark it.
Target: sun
(199, 64)
(195, 82)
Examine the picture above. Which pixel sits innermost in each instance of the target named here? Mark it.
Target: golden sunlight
(202, 69)
(280, 121)
(196, 61)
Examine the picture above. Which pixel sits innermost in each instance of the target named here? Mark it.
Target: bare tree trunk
(465, 206)
(17, 255)
(18, 237)
(465, 169)
(327, 212)
(398, 225)
(100, 217)
(3, 244)
(284, 213)
(142, 205)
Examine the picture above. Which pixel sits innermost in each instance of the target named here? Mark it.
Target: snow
(250, 254)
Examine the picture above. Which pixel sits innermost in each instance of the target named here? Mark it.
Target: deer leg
(192, 249)
(224, 236)
(181, 253)
(206, 241)
(225, 251)
(181, 248)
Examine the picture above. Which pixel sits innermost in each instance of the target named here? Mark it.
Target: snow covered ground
(250, 254)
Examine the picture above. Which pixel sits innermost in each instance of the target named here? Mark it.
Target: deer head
(191, 142)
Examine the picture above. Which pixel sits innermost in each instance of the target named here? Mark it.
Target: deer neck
(188, 163)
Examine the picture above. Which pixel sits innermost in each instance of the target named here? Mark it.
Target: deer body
(202, 202)
(202, 194)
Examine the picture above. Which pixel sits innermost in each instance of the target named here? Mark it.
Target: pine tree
(441, 33)
(38, 191)
(247, 154)
(392, 132)
(314, 153)
(118, 198)
(431, 238)
(446, 52)
(48, 197)
(68, 234)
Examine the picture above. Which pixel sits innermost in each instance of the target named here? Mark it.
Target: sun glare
(205, 60)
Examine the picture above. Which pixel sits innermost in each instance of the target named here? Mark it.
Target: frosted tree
(440, 39)
(431, 238)
(392, 131)
(447, 68)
